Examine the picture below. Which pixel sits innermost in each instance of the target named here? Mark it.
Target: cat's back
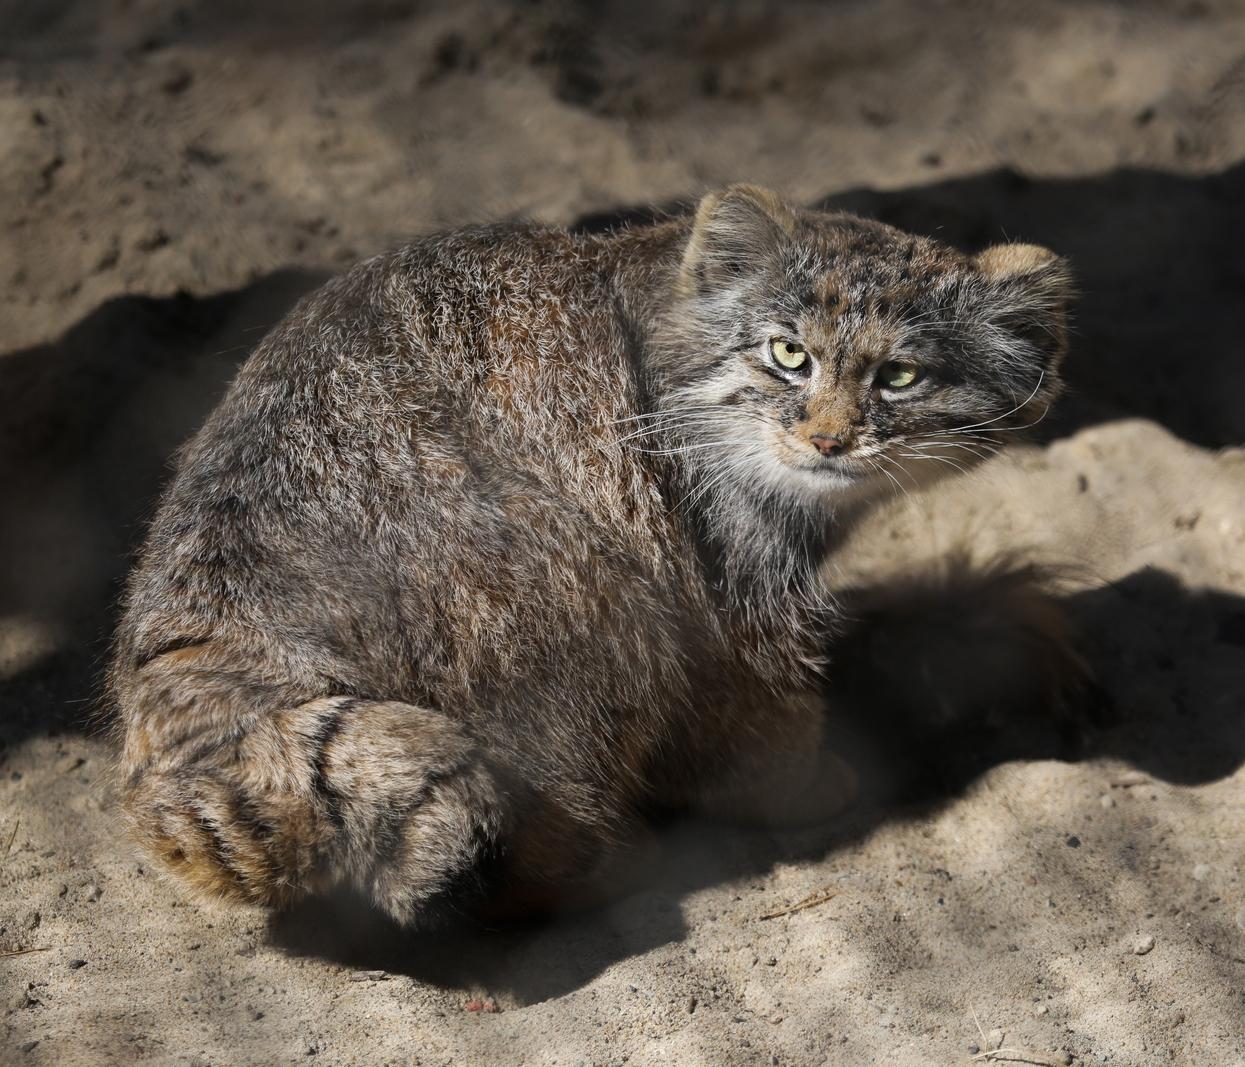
(426, 461)
(486, 351)
(453, 313)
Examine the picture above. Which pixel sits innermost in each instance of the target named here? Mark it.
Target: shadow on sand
(92, 420)
(1167, 696)
(90, 426)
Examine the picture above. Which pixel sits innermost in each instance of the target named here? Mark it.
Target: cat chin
(824, 484)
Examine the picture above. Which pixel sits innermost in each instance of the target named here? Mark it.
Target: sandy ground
(172, 177)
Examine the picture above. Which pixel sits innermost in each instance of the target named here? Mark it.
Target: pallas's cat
(503, 543)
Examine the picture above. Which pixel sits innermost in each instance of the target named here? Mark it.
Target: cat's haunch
(504, 542)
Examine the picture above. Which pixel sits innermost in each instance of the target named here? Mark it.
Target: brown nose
(827, 446)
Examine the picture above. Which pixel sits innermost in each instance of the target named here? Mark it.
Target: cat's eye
(898, 374)
(788, 354)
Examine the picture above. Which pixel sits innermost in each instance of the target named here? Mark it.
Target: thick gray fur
(504, 542)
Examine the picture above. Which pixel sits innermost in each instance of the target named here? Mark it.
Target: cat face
(814, 352)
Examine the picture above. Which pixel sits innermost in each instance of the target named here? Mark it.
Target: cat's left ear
(1029, 289)
(735, 231)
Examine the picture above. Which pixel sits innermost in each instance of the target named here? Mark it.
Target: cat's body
(481, 563)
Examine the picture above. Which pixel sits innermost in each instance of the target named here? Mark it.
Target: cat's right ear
(735, 230)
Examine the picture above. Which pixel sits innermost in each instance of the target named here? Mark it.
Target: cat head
(811, 352)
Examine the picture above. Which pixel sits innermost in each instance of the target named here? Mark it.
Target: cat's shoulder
(499, 268)
(489, 254)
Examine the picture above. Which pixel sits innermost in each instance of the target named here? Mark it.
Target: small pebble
(32, 920)
(1073, 841)
(1106, 801)
(1143, 945)
(1041, 1009)
(29, 1046)
(973, 1048)
(1240, 918)
(92, 892)
(75, 965)
(996, 1037)
(368, 976)
(691, 1005)
(1200, 872)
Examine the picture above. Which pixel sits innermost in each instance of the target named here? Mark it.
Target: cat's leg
(266, 805)
(782, 774)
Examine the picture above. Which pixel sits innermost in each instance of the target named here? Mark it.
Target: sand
(172, 177)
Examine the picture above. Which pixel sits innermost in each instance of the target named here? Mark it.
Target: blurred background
(175, 173)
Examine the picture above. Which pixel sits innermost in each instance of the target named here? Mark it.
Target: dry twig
(1009, 1055)
(810, 901)
(1018, 1055)
(24, 951)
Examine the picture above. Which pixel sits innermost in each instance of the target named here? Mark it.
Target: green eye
(895, 374)
(788, 354)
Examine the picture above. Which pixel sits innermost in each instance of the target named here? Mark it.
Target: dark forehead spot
(828, 290)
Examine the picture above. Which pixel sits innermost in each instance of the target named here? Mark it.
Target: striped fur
(507, 540)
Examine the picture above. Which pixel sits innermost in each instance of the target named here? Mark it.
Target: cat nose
(827, 446)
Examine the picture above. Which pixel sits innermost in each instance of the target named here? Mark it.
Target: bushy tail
(944, 673)
(243, 800)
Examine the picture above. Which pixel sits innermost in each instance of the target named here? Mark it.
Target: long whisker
(981, 450)
(681, 423)
(903, 489)
(939, 459)
(704, 422)
(661, 413)
(1010, 411)
(981, 433)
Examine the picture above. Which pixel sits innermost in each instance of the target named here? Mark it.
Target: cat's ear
(1028, 289)
(735, 230)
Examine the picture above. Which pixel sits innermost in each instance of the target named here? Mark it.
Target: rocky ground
(173, 176)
